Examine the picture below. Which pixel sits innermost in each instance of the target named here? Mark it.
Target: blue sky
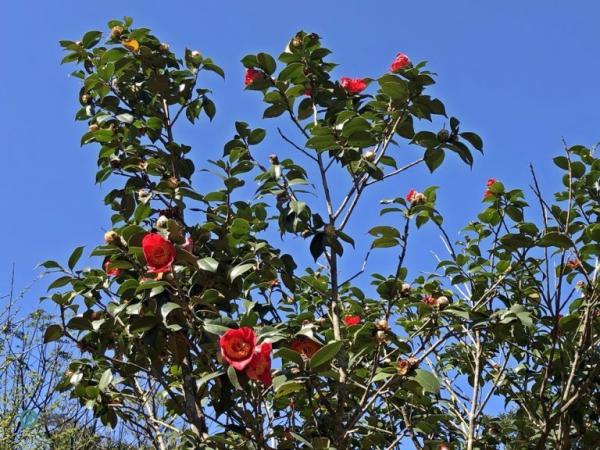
(521, 74)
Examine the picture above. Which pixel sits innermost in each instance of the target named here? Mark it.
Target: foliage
(32, 414)
(509, 317)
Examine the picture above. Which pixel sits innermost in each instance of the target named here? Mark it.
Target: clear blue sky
(522, 74)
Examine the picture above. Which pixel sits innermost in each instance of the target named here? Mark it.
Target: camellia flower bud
(353, 85)
(442, 302)
(297, 42)
(282, 197)
(443, 135)
(429, 300)
(162, 222)
(350, 320)
(415, 198)
(253, 75)
(172, 182)
(144, 195)
(164, 47)
(112, 238)
(85, 99)
(405, 366)
(116, 31)
(401, 61)
(382, 324)
(406, 288)
(195, 54)
(381, 336)
(419, 198)
(93, 127)
(369, 156)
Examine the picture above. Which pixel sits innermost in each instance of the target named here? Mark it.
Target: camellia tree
(201, 328)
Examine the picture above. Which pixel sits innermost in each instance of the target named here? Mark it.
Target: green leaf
(555, 239)
(395, 90)
(266, 63)
(143, 324)
(239, 227)
(232, 375)
(301, 439)
(151, 284)
(125, 118)
(384, 231)
(562, 162)
(206, 378)
(473, 139)
(167, 308)
(240, 270)
(434, 157)
(214, 68)
(154, 123)
(53, 333)
(59, 282)
(209, 264)
(288, 354)
(79, 323)
(105, 380)
(427, 380)
(209, 108)
(274, 110)
(215, 329)
(75, 257)
(515, 241)
(91, 38)
(317, 245)
(325, 354)
(288, 387)
(256, 136)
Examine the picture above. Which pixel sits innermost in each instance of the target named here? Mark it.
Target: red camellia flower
(305, 346)
(411, 195)
(429, 300)
(111, 271)
(252, 75)
(400, 62)
(489, 184)
(237, 347)
(259, 367)
(353, 85)
(573, 263)
(352, 320)
(159, 253)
